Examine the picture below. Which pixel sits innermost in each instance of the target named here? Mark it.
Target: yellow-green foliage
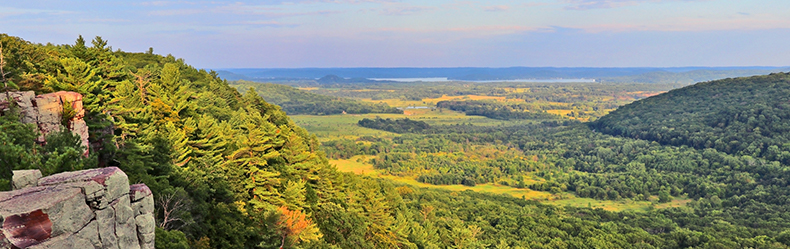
(234, 171)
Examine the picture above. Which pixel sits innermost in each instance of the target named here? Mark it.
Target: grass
(516, 90)
(676, 202)
(359, 165)
(432, 101)
(339, 126)
(355, 165)
(345, 126)
(560, 112)
(471, 97)
(330, 127)
(397, 102)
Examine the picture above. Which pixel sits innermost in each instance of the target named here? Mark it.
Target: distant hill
(334, 79)
(746, 116)
(691, 77)
(675, 75)
(232, 76)
(295, 101)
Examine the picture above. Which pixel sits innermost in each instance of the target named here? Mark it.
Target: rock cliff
(46, 111)
(94, 208)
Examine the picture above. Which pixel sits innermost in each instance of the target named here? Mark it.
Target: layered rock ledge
(94, 208)
(46, 112)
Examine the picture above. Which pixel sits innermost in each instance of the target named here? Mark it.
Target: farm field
(329, 127)
(568, 102)
(344, 126)
(358, 165)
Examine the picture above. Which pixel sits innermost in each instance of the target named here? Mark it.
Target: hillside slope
(744, 116)
(231, 170)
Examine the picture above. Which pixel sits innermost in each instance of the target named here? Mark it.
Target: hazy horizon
(409, 33)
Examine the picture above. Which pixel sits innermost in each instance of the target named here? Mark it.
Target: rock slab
(93, 208)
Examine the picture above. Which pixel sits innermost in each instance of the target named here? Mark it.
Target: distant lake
(438, 79)
(445, 79)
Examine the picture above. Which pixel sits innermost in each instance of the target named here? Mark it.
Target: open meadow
(565, 102)
(359, 165)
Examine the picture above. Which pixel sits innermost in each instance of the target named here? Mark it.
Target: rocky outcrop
(46, 111)
(93, 208)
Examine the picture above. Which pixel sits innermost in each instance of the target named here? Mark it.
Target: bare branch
(142, 80)
(170, 205)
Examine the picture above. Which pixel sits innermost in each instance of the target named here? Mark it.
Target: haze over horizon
(408, 33)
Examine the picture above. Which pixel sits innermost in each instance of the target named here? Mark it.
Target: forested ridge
(746, 190)
(231, 170)
(742, 116)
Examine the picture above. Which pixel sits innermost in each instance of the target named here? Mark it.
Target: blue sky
(406, 33)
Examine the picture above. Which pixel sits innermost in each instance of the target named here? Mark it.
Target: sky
(407, 33)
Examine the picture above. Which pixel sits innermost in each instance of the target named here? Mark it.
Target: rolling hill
(742, 116)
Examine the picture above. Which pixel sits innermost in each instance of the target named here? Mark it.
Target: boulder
(24, 178)
(33, 215)
(143, 206)
(142, 199)
(93, 208)
(146, 227)
(112, 178)
(27, 108)
(66, 241)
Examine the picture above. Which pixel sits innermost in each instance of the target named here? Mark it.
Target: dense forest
(502, 100)
(742, 116)
(294, 101)
(496, 110)
(743, 189)
(233, 171)
(691, 76)
(398, 125)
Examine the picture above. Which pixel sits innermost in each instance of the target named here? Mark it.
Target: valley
(309, 164)
(345, 127)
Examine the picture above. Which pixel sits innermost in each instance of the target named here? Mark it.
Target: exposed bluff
(47, 112)
(94, 208)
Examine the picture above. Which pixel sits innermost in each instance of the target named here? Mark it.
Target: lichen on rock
(93, 208)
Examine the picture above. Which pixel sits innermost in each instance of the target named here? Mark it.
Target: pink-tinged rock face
(99, 175)
(29, 229)
(84, 209)
(138, 191)
(113, 178)
(27, 108)
(46, 111)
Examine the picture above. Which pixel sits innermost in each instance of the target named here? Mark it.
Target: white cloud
(606, 4)
(496, 8)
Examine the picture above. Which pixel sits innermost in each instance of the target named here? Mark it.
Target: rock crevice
(94, 208)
